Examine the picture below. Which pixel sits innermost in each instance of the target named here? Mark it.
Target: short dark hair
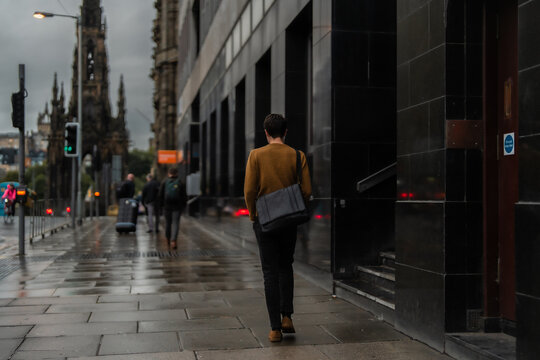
(173, 171)
(275, 125)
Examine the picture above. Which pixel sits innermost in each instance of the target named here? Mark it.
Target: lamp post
(77, 184)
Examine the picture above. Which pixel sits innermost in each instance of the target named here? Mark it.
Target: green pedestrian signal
(70, 140)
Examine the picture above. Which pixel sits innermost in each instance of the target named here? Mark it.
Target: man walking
(127, 189)
(270, 168)
(149, 200)
(173, 199)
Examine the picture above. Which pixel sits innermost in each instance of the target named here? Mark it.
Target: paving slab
(77, 308)
(395, 350)
(55, 300)
(4, 302)
(190, 325)
(101, 328)
(282, 353)
(139, 343)
(7, 347)
(151, 289)
(209, 312)
(369, 330)
(179, 355)
(146, 315)
(61, 346)
(305, 335)
(218, 339)
(25, 293)
(13, 332)
(17, 310)
(139, 297)
(11, 320)
(162, 303)
(92, 290)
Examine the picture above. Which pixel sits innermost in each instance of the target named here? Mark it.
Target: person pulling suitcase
(173, 197)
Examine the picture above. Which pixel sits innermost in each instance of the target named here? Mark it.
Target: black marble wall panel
(439, 215)
(420, 303)
(462, 292)
(528, 207)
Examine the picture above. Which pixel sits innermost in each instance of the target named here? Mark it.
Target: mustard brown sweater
(270, 168)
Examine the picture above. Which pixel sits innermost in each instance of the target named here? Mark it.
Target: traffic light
(70, 143)
(17, 104)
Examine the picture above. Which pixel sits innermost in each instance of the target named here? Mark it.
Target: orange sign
(167, 157)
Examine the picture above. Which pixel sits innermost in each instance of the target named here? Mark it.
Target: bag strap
(298, 168)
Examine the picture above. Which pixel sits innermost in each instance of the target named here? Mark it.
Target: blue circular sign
(508, 143)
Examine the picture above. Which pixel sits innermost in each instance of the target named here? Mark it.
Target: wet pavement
(91, 293)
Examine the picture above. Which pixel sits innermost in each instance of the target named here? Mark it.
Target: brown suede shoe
(287, 326)
(275, 336)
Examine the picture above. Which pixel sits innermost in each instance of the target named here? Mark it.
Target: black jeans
(276, 250)
(172, 224)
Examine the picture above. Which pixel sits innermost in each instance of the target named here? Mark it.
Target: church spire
(55, 88)
(121, 96)
(61, 103)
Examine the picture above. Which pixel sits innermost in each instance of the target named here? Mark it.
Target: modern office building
(419, 119)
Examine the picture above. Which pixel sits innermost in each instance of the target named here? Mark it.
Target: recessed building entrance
(500, 160)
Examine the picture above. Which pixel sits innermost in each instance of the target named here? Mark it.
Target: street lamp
(74, 183)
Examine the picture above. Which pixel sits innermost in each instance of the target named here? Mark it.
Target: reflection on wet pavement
(94, 292)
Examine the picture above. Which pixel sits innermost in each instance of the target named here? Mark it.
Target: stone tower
(99, 127)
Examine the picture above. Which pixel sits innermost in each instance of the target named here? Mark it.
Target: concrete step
(481, 346)
(382, 276)
(374, 299)
(388, 258)
(376, 293)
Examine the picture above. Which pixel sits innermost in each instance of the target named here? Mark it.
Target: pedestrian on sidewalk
(270, 168)
(127, 188)
(172, 199)
(149, 199)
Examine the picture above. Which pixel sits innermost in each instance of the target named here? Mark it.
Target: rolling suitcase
(127, 215)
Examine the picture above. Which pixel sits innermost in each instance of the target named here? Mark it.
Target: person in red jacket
(10, 194)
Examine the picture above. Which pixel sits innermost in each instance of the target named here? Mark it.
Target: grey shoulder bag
(284, 207)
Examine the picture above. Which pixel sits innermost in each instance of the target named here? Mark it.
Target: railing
(376, 178)
(48, 216)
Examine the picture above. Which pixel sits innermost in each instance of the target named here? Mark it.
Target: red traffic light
(49, 211)
(68, 209)
(97, 194)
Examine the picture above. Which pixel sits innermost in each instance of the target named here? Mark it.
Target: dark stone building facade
(165, 37)
(418, 118)
(99, 127)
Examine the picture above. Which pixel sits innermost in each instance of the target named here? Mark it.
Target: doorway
(500, 160)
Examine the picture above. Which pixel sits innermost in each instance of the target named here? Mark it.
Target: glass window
(267, 4)
(236, 39)
(228, 52)
(246, 24)
(257, 7)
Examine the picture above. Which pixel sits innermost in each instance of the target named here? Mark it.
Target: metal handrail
(48, 216)
(376, 178)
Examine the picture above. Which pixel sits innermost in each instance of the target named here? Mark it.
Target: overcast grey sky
(46, 46)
